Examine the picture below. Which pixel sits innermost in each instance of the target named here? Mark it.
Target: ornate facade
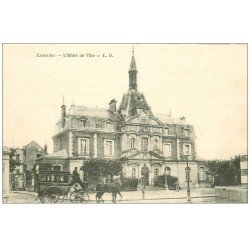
(143, 140)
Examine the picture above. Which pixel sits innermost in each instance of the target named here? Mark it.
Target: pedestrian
(76, 178)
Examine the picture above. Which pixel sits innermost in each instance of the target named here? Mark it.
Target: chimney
(63, 114)
(112, 105)
(45, 149)
(183, 119)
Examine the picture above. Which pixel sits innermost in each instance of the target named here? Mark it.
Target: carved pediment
(144, 130)
(145, 156)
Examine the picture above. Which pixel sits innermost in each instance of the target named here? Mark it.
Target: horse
(113, 188)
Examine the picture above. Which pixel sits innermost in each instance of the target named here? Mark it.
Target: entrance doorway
(145, 175)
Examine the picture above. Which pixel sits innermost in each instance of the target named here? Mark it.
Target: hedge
(129, 184)
(160, 181)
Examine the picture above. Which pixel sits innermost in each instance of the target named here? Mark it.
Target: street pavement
(201, 195)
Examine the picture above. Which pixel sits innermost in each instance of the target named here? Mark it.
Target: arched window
(132, 143)
(133, 173)
(167, 171)
(155, 144)
(156, 172)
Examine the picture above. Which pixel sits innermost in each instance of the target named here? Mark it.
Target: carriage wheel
(53, 195)
(41, 197)
(84, 197)
(79, 197)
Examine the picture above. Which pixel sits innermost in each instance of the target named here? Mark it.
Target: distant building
(22, 177)
(30, 153)
(155, 143)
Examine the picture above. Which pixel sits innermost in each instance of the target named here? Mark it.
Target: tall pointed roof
(132, 63)
(133, 73)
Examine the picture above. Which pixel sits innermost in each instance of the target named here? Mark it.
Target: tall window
(156, 172)
(132, 143)
(155, 144)
(167, 149)
(83, 146)
(144, 143)
(85, 176)
(109, 147)
(133, 173)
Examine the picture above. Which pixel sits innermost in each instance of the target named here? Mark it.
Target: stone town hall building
(131, 132)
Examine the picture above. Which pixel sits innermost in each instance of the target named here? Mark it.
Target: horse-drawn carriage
(57, 186)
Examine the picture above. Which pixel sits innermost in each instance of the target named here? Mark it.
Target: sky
(206, 83)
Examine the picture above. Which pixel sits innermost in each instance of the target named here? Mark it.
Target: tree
(225, 173)
(102, 167)
(13, 162)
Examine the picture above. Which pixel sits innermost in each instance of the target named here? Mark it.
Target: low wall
(231, 195)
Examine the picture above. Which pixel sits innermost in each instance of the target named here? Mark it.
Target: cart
(56, 186)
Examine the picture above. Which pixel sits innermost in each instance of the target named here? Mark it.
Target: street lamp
(143, 173)
(188, 170)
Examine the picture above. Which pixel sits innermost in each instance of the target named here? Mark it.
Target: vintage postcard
(124, 123)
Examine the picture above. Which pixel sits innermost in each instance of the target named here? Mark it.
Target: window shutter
(87, 146)
(79, 146)
(105, 147)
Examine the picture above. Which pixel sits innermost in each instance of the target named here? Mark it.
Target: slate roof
(102, 113)
(169, 119)
(132, 64)
(132, 101)
(61, 153)
(34, 143)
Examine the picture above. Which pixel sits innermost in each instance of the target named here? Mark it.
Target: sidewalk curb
(133, 199)
(162, 198)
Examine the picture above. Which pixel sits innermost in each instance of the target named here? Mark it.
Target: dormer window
(109, 126)
(186, 132)
(166, 131)
(83, 123)
(97, 123)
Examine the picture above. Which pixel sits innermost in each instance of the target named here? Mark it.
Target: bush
(129, 184)
(160, 181)
(171, 181)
